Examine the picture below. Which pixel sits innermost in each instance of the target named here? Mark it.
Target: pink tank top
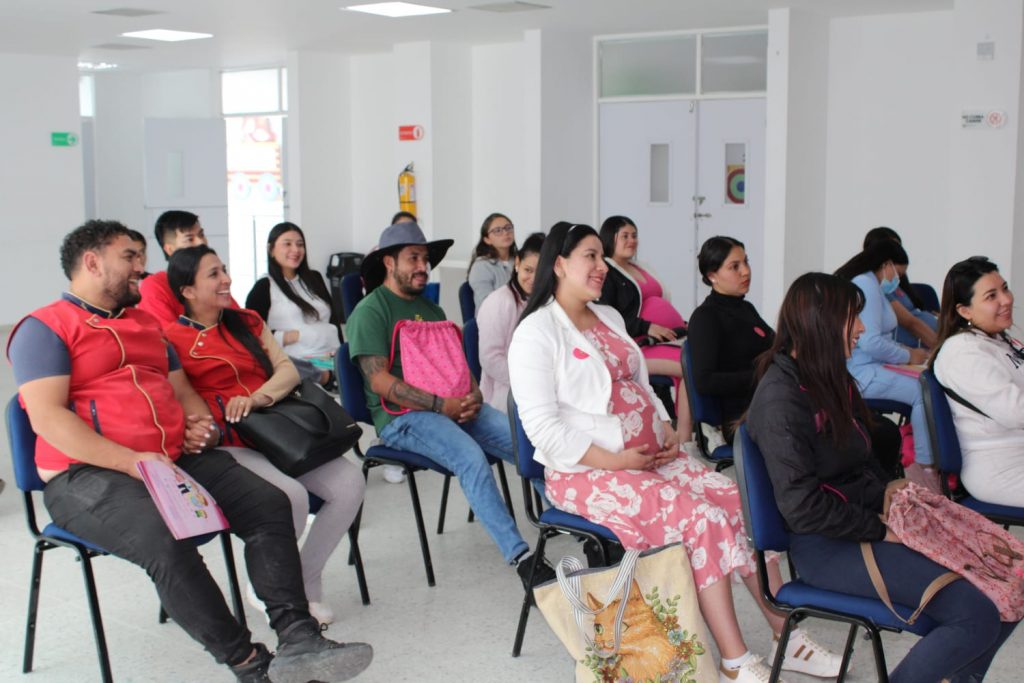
(654, 306)
(630, 402)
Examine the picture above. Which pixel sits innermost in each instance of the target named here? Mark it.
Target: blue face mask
(889, 286)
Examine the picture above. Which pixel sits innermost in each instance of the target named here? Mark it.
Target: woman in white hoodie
(982, 369)
(611, 455)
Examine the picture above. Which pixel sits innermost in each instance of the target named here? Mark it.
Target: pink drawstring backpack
(432, 358)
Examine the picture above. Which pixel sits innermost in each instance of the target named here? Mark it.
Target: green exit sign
(63, 139)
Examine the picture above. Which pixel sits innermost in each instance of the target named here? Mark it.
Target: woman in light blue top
(874, 272)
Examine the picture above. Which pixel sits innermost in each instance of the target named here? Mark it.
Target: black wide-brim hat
(392, 240)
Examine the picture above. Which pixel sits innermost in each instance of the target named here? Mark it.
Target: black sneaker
(304, 655)
(545, 572)
(255, 670)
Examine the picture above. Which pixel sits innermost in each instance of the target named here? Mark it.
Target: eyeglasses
(501, 230)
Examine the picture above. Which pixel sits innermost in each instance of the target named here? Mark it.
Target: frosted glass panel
(659, 174)
(244, 92)
(734, 62)
(651, 66)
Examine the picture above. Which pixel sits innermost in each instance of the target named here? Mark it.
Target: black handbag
(301, 431)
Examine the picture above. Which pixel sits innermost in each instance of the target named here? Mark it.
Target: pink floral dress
(680, 502)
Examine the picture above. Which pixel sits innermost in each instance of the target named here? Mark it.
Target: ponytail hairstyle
(873, 258)
(532, 245)
(181, 272)
(482, 250)
(883, 233)
(309, 280)
(562, 240)
(713, 254)
(819, 310)
(958, 290)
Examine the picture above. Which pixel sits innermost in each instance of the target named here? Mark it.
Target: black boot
(255, 670)
(304, 655)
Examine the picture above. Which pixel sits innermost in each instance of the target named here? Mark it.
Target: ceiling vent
(120, 46)
(508, 7)
(127, 12)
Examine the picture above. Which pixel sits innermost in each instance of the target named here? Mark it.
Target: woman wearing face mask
(874, 272)
(983, 368)
(496, 320)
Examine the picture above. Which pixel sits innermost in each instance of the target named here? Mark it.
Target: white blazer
(562, 386)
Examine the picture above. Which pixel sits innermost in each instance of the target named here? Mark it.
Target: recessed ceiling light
(166, 35)
(96, 66)
(514, 6)
(397, 9)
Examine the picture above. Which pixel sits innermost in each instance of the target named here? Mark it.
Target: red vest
(118, 382)
(218, 366)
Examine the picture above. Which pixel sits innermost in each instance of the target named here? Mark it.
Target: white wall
(41, 187)
(890, 106)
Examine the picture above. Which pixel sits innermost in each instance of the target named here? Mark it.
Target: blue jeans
(877, 382)
(968, 635)
(461, 448)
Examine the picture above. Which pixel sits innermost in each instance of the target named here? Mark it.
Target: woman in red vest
(234, 363)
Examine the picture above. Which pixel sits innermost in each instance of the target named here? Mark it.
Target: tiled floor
(460, 630)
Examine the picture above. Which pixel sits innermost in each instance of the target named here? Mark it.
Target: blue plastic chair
(946, 449)
(433, 292)
(705, 410)
(22, 441)
(766, 531)
(550, 521)
(351, 292)
(926, 293)
(350, 383)
(466, 302)
(471, 345)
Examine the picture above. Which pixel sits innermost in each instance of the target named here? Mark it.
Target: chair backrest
(766, 529)
(350, 383)
(522, 448)
(466, 302)
(433, 292)
(941, 428)
(705, 409)
(927, 295)
(23, 447)
(351, 292)
(471, 345)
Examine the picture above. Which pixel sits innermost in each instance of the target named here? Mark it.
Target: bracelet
(220, 434)
(437, 405)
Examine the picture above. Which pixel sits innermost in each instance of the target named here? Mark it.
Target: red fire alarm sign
(410, 132)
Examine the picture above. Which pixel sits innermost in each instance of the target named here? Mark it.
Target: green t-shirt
(369, 330)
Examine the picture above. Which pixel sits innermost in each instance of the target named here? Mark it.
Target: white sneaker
(805, 656)
(393, 474)
(754, 670)
(321, 612)
(254, 600)
(713, 435)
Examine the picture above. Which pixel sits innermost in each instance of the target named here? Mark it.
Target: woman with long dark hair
(496, 320)
(294, 301)
(874, 272)
(810, 422)
(917, 326)
(982, 368)
(236, 365)
(493, 257)
(610, 454)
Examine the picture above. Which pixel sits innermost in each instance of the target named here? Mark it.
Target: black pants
(115, 512)
(968, 634)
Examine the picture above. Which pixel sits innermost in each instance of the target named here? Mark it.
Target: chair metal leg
(97, 619)
(428, 566)
(236, 591)
(354, 531)
(524, 613)
(161, 617)
(504, 489)
(33, 606)
(876, 644)
(444, 503)
(353, 537)
(780, 652)
(847, 653)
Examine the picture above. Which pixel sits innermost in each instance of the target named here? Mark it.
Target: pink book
(908, 370)
(187, 508)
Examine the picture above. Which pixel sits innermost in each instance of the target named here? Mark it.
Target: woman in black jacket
(809, 420)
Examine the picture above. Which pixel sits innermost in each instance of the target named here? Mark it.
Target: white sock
(792, 634)
(735, 662)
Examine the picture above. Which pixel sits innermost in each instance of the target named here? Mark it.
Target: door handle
(702, 215)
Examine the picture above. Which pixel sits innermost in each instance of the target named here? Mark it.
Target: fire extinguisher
(407, 190)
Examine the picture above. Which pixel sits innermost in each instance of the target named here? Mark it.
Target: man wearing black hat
(454, 432)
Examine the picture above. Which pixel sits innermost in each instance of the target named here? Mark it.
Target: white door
(647, 172)
(730, 179)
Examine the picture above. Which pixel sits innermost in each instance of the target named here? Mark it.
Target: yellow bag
(656, 634)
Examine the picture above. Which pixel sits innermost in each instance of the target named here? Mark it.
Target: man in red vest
(104, 391)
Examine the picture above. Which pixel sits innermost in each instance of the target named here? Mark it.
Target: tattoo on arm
(398, 392)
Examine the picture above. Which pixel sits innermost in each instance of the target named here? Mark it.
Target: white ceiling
(261, 32)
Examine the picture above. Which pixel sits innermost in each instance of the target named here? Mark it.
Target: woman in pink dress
(644, 306)
(611, 456)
